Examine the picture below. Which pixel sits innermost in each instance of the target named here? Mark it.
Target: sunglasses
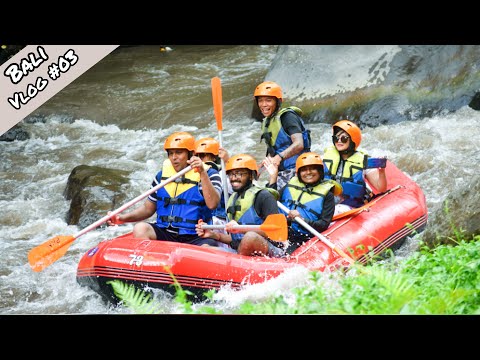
(343, 139)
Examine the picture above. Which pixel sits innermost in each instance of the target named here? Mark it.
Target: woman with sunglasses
(351, 167)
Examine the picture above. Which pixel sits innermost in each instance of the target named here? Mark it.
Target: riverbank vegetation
(440, 281)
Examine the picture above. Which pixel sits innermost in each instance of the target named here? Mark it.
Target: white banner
(38, 72)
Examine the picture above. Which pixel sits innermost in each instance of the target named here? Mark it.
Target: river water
(118, 114)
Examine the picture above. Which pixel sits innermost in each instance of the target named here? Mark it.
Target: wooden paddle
(275, 226)
(53, 249)
(218, 111)
(324, 239)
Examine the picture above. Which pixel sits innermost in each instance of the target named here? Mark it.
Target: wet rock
(475, 103)
(15, 133)
(93, 192)
(33, 119)
(459, 213)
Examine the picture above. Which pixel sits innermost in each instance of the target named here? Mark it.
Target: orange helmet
(242, 161)
(180, 140)
(309, 158)
(269, 88)
(207, 145)
(351, 129)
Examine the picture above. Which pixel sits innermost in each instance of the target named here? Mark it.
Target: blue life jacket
(180, 203)
(278, 140)
(308, 201)
(355, 192)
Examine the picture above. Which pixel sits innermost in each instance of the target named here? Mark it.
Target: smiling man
(181, 203)
(248, 205)
(283, 130)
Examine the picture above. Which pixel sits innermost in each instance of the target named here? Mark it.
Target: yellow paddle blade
(50, 251)
(275, 226)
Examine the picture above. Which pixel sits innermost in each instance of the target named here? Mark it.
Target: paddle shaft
(218, 112)
(239, 227)
(132, 202)
(223, 172)
(317, 234)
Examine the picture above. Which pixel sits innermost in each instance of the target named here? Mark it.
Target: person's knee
(245, 246)
(252, 244)
(144, 230)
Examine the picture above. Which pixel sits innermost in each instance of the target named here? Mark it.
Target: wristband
(281, 156)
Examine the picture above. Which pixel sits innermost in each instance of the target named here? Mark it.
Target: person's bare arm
(296, 147)
(210, 194)
(223, 154)
(377, 179)
(143, 212)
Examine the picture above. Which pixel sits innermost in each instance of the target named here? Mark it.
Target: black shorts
(171, 235)
(295, 239)
(275, 249)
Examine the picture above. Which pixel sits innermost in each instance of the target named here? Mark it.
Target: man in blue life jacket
(180, 203)
(283, 130)
(248, 205)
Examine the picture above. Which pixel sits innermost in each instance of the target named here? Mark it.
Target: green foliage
(456, 231)
(181, 295)
(448, 276)
(136, 299)
(441, 281)
(375, 291)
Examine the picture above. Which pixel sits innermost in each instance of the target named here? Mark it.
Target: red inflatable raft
(383, 223)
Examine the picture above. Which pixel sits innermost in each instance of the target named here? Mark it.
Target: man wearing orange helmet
(283, 130)
(209, 150)
(351, 167)
(181, 203)
(248, 205)
(308, 196)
